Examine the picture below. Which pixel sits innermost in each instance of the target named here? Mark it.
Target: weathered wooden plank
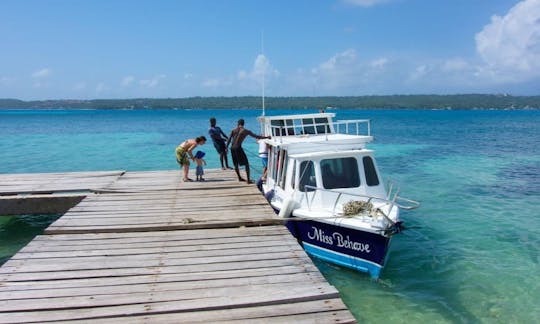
(163, 259)
(109, 247)
(56, 182)
(52, 309)
(308, 270)
(139, 250)
(250, 233)
(158, 285)
(164, 216)
(38, 204)
(149, 254)
(317, 311)
(120, 273)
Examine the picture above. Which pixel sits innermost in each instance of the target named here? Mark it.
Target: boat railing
(298, 127)
(392, 200)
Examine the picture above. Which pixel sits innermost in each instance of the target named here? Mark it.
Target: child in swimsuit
(200, 162)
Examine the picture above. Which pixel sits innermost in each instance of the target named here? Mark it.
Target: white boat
(325, 182)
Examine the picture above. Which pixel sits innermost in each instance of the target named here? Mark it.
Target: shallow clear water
(471, 253)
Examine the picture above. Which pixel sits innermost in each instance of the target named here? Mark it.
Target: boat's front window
(307, 176)
(340, 173)
(371, 174)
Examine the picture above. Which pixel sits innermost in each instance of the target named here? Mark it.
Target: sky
(112, 49)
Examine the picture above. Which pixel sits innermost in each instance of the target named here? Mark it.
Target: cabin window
(307, 176)
(277, 165)
(272, 166)
(315, 126)
(282, 127)
(322, 126)
(369, 169)
(308, 126)
(340, 173)
(293, 174)
(283, 172)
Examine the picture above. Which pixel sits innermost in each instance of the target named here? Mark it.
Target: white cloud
(365, 3)
(245, 82)
(344, 73)
(455, 65)
(212, 83)
(419, 72)
(261, 68)
(43, 73)
(510, 45)
(341, 72)
(127, 81)
(152, 83)
(379, 63)
(337, 63)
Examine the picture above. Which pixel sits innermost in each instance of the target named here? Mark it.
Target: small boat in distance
(324, 181)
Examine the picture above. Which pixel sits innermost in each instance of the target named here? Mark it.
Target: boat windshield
(307, 176)
(369, 169)
(340, 173)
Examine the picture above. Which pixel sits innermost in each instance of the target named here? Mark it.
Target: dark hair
(200, 139)
(213, 121)
(241, 122)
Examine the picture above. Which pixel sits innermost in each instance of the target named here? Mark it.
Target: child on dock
(200, 162)
(184, 153)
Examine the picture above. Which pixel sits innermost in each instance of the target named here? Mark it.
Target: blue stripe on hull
(344, 260)
(359, 250)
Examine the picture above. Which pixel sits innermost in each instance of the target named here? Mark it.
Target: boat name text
(338, 238)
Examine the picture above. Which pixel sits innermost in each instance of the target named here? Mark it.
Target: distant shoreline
(440, 102)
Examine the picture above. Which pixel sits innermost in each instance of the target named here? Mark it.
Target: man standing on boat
(237, 137)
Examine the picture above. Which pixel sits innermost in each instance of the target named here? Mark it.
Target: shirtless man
(237, 137)
(185, 149)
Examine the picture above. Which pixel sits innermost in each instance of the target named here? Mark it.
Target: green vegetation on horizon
(465, 101)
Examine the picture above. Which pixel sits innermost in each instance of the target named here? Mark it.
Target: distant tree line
(464, 101)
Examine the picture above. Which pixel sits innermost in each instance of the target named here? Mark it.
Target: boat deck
(143, 247)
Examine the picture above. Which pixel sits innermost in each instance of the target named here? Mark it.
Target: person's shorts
(220, 146)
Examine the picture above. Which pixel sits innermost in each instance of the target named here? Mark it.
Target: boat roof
(296, 116)
(320, 142)
(302, 133)
(326, 153)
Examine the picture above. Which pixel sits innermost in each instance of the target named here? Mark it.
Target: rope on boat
(252, 170)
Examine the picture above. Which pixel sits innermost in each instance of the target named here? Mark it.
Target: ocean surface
(471, 254)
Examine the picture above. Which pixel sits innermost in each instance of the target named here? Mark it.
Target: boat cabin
(318, 162)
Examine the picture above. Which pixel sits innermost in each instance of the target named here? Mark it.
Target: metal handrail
(392, 202)
(334, 127)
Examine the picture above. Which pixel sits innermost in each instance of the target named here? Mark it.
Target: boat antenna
(263, 72)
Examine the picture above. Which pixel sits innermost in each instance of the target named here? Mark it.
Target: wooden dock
(143, 247)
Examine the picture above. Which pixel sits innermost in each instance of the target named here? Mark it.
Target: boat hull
(352, 248)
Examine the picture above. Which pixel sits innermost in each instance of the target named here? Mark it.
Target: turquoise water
(472, 251)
